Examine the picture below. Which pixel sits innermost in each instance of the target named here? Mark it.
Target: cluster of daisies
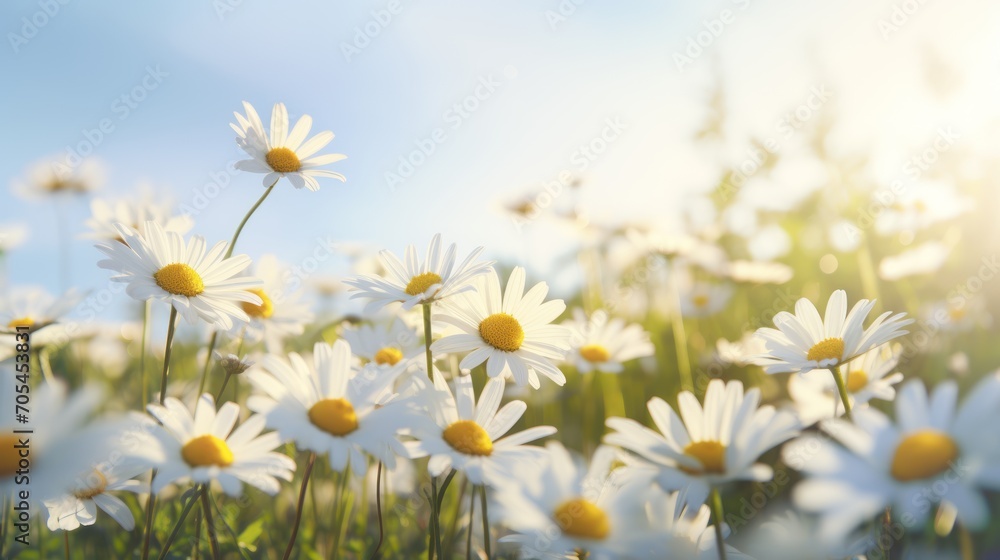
(427, 384)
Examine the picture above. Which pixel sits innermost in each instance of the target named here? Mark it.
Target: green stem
(166, 352)
(433, 535)
(213, 539)
(680, 342)
(243, 222)
(842, 389)
(720, 541)
(218, 398)
(472, 512)
(378, 511)
(298, 508)
(486, 521)
(142, 354)
(150, 508)
(427, 341)
(66, 544)
(177, 527)
(208, 364)
(965, 543)
(341, 510)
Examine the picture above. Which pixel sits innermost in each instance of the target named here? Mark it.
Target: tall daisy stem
(243, 222)
(299, 506)
(142, 354)
(965, 543)
(472, 513)
(378, 511)
(172, 323)
(213, 539)
(222, 389)
(486, 521)
(66, 544)
(177, 526)
(842, 389)
(720, 540)
(427, 341)
(208, 363)
(148, 530)
(680, 341)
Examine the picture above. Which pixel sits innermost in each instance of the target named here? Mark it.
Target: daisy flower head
(680, 531)
(469, 436)
(419, 282)
(11, 237)
(200, 283)
(703, 299)
(600, 344)
(934, 453)
(106, 214)
(327, 409)
(559, 507)
(204, 447)
(34, 307)
(381, 343)
(54, 177)
(510, 330)
(870, 376)
(803, 342)
(92, 491)
(280, 314)
(743, 352)
(714, 444)
(283, 152)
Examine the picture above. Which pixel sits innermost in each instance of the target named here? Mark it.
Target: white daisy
(198, 283)
(281, 314)
(558, 508)
(468, 436)
(323, 408)
(53, 177)
(34, 307)
(677, 532)
(742, 352)
(106, 214)
(702, 299)
(11, 237)
(511, 333)
(91, 490)
(384, 344)
(283, 152)
(758, 272)
(921, 206)
(603, 345)
(937, 452)
(433, 279)
(867, 377)
(205, 448)
(803, 342)
(713, 445)
(788, 535)
(925, 259)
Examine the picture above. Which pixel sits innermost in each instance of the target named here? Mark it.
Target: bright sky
(551, 76)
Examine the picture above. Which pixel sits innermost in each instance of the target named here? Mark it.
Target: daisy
(757, 272)
(52, 177)
(558, 508)
(677, 532)
(743, 352)
(280, 314)
(703, 299)
(603, 345)
(11, 237)
(787, 535)
(106, 214)
(283, 152)
(510, 332)
(414, 282)
(713, 445)
(384, 344)
(804, 342)
(936, 452)
(920, 206)
(925, 259)
(205, 448)
(91, 492)
(468, 436)
(322, 407)
(158, 264)
(34, 307)
(869, 376)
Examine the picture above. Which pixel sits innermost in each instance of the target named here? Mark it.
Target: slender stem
(195, 550)
(239, 228)
(720, 541)
(150, 508)
(486, 521)
(177, 526)
(45, 365)
(172, 323)
(299, 506)
(842, 389)
(213, 539)
(218, 398)
(614, 403)
(142, 354)
(378, 510)
(341, 509)
(66, 544)
(680, 341)
(427, 341)
(208, 364)
(965, 543)
(433, 535)
(472, 513)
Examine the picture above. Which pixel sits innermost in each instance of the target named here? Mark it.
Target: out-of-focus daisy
(957, 314)
(713, 445)
(53, 177)
(323, 408)
(844, 236)
(925, 259)
(679, 531)
(11, 237)
(743, 352)
(198, 283)
(418, 282)
(283, 152)
(921, 206)
(935, 453)
(280, 314)
(510, 332)
(958, 364)
(469, 436)
(803, 341)
(385, 344)
(106, 214)
(92, 491)
(759, 272)
(34, 307)
(559, 508)
(600, 344)
(702, 299)
(869, 376)
(204, 447)
(769, 242)
(787, 535)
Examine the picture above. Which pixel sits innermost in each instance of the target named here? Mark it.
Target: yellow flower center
(334, 416)
(700, 300)
(283, 160)
(957, 313)
(711, 455)
(388, 356)
(922, 455)
(206, 451)
(99, 484)
(262, 311)
(856, 381)
(465, 436)
(419, 283)
(179, 279)
(22, 322)
(581, 518)
(595, 353)
(827, 349)
(9, 457)
(502, 331)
